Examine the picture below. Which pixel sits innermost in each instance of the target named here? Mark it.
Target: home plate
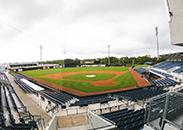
(91, 76)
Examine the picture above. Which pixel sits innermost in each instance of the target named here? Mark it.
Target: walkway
(32, 106)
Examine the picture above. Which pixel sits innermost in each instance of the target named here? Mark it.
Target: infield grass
(84, 77)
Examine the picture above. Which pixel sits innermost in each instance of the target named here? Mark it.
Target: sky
(83, 27)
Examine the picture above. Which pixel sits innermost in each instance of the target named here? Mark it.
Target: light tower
(157, 40)
(41, 49)
(108, 47)
(64, 52)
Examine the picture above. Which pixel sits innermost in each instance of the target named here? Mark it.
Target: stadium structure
(29, 66)
(148, 98)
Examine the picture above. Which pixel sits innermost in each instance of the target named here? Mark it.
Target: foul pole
(64, 52)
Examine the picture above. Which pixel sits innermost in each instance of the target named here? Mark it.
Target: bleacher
(140, 94)
(164, 82)
(9, 109)
(84, 101)
(175, 66)
(180, 70)
(165, 108)
(175, 105)
(141, 70)
(166, 65)
(24, 86)
(133, 95)
(127, 119)
(161, 73)
(1, 112)
(60, 98)
(23, 126)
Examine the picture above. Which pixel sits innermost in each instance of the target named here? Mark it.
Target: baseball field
(89, 80)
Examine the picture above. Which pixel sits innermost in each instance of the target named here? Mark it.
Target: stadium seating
(133, 95)
(23, 126)
(161, 73)
(22, 85)
(161, 82)
(156, 107)
(10, 102)
(168, 65)
(127, 119)
(164, 82)
(60, 98)
(140, 94)
(141, 70)
(180, 70)
(92, 100)
(1, 111)
(3, 78)
(175, 105)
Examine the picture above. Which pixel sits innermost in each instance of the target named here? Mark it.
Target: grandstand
(127, 119)
(172, 66)
(165, 111)
(54, 101)
(14, 115)
(139, 108)
(158, 106)
(27, 104)
(30, 66)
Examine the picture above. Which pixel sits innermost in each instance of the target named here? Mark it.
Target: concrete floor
(155, 123)
(31, 105)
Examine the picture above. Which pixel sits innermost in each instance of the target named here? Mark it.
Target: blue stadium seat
(169, 65)
(164, 82)
(127, 119)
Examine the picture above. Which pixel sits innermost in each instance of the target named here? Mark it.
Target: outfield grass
(39, 73)
(123, 81)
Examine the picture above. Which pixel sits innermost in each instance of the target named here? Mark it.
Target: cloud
(86, 27)
(107, 7)
(22, 15)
